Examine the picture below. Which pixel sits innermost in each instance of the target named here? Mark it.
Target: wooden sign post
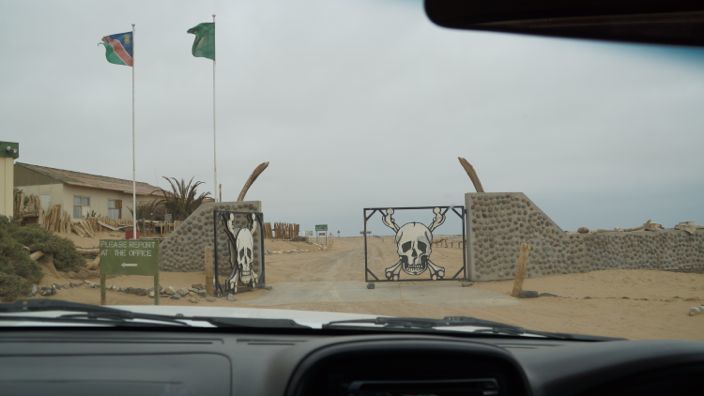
(209, 271)
(129, 257)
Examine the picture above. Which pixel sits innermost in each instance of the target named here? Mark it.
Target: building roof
(88, 180)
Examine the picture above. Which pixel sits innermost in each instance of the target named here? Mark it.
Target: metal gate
(413, 243)
(238, 243)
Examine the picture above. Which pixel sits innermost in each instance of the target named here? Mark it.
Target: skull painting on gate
(414, 245)
(241, 244)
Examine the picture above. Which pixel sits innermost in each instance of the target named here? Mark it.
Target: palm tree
(151, 210)
(183, 199)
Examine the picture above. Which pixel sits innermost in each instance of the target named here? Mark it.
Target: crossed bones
(416, 233)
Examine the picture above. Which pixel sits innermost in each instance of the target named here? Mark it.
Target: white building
(81, 193)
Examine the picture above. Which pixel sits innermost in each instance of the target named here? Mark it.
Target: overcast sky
(358, 103)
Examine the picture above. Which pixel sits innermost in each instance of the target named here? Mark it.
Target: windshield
(348, 157)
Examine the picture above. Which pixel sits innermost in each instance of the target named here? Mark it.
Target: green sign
(321, 227)
(129, 257)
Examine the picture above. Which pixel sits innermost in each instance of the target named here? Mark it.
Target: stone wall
(183, 249)
(497, 223)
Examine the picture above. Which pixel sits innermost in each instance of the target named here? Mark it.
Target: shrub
(17, 271)
(66, 258)
(14, 259)
(12, 287)
(150, 210)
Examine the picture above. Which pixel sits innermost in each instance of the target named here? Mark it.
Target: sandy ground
(634, 304)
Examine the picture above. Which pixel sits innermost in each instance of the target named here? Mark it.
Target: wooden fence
(286, 231)
(26, 206)
(58, 220)
(448, 243)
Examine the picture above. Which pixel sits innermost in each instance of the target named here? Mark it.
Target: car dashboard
(140, 362)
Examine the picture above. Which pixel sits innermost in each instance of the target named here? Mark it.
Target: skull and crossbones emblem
(241, 244)
(414, 245)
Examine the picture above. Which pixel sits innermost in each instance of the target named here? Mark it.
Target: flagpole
(134, 166)
(215, 160)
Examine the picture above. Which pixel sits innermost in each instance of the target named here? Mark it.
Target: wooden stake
(472, 174)
(157, 288)
(521, 265)
(209, 270)
(102, 290)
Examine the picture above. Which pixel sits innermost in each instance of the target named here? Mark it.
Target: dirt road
(625, 303)
(335, 277)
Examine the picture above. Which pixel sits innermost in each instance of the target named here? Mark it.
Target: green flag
(204, 44)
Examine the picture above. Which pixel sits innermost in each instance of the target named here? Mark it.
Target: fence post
(102, 290)
(521, 265)
(209, 270)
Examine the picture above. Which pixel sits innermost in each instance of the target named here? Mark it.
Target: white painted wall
(53, 194)
(49, 194)
(99, 200)
(7, 184)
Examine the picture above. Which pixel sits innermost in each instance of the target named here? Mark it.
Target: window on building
(115, 208)
(80, 206)
(45, 201)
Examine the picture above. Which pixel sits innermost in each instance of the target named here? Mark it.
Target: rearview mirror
(648, 21)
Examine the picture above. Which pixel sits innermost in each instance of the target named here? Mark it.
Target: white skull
(414, 243)
(245, 252)
(241, 253)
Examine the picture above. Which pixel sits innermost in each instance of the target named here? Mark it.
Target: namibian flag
(118, 48)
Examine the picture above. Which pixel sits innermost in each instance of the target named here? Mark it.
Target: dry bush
(66, 258)
(13, 287)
